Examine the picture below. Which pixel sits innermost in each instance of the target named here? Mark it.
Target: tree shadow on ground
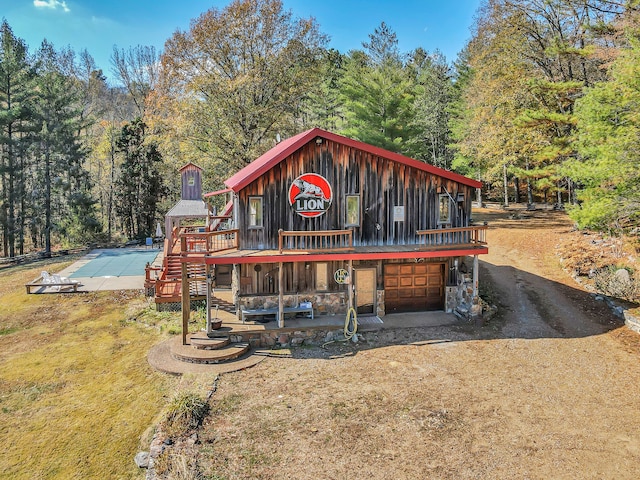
(527, 307)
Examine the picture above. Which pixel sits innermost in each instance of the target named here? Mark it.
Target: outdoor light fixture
(319, 141)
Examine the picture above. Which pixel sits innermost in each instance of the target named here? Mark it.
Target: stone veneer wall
(332, 303)
(291, 337)
(380, 306)
(459, 299)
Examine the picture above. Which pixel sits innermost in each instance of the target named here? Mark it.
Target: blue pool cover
(116, 263)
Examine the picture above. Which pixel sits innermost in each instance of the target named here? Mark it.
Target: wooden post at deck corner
(350, 285)
(186, 301)
(280, 297)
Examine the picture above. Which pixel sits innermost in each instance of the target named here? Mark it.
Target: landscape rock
(622, 276)
(142, 459)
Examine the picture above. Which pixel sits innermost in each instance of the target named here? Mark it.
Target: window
(444, 209)
(255, 212)
(322, 276)
(353, 211)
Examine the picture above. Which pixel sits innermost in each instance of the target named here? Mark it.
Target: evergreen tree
(608, 132)
(323, 107)
(430, 124)
(61, 183)
(139, 185)
(16, 87)
(378, 93)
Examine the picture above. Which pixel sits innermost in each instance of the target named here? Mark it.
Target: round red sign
(310, 195)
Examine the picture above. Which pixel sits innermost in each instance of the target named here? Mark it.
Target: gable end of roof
(282, 150)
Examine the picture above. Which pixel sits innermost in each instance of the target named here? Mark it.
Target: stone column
(475, 278)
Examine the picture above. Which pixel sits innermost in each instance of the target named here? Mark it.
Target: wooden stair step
(187, 353)
(222, 305)
(202, 341)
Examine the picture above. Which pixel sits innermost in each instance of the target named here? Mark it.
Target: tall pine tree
(139, 185)
(16, 87)
(378, 93)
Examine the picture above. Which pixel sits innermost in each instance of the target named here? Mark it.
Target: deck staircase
(168, 286)
(223, 305)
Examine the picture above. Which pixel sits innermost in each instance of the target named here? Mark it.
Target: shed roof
(190, 166)
(188, 209)
(268, 160)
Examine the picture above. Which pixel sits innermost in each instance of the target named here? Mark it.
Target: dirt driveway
(548, 389)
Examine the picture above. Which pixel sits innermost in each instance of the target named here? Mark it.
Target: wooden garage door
(413, 287)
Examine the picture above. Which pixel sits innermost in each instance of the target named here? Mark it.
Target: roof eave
(269, 159)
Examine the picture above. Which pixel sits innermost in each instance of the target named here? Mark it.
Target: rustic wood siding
(191, 192)
(381, 184)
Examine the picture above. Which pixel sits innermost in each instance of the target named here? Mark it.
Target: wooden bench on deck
(255, 312)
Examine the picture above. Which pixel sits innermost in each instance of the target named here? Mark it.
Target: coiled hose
(350, 324)
(350, 327)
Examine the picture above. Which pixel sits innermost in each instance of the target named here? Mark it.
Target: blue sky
(98, 25)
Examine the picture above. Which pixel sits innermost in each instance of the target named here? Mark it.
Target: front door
(365, 290)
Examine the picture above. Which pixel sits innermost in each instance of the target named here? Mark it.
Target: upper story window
(353, 211)
(444, 208)
(255, 212)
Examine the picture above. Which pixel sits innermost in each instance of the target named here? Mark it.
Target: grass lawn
(77, 396)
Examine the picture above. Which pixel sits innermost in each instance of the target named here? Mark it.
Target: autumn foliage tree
(239, 75)
(531, 61)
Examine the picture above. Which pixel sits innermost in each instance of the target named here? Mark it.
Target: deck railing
(208, 242)
(320, 240)
(472, 236)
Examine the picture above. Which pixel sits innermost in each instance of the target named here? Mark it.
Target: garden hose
(350, 327)
(350, 324)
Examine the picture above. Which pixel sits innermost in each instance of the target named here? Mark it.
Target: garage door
(413, 287)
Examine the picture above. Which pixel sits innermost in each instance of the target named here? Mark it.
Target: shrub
(185, 412)
(609, 283)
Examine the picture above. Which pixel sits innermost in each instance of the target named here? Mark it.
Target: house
(334, 222)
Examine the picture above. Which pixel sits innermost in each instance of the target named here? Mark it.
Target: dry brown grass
(451, 405)
(464, 409)
(76, 391)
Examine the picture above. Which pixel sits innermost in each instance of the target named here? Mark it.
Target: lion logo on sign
(308, 190)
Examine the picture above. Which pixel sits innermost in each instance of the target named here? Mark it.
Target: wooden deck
(199, 248)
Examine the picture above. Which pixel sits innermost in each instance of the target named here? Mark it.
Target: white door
(365, 289)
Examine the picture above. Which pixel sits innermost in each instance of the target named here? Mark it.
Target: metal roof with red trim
(190, 166)
(282, 150)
